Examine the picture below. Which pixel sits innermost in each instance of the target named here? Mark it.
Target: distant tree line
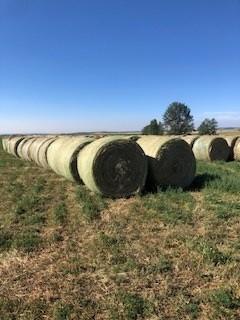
(177, 120)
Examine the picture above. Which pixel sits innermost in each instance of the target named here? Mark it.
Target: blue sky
(73, 65)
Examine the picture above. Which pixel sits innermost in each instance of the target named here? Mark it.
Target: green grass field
(66, 253)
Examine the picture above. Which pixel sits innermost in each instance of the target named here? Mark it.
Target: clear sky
(74, 65)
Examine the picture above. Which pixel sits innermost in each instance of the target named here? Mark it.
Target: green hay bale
(62, 155)
(25, 150)
(231, 141)
(211, 148)
(21, 145)
(41, 156)
(4, 144)
(171, 161)
(13, 145)
(190, 139)
(35, 146)
(113, 166)
(236, 150)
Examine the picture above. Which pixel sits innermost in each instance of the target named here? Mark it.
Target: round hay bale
(211, 148)
(34, 147)
(13, 145)
(41, 156)
(190, 139)
(113, 166)
(5, 143)
(236, 150)
(62, 155)
(171, 161)
(20, 146)
(25, 150)
(231, 140)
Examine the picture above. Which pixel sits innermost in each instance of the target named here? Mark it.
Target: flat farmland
(66, 253)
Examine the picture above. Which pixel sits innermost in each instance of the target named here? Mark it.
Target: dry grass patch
(66, 253)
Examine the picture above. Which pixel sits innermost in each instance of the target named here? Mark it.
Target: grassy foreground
(68, 254)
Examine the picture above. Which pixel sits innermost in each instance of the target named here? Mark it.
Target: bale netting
(62, 155)
(171, 161)
(113, 166)
(41, 156)
(211, 148)
(190, 139)
(231, 140)
(236, 150)
(13, 145)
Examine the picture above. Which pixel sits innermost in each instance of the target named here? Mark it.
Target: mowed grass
(66, 253)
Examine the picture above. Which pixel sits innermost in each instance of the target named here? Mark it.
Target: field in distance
(66, 253)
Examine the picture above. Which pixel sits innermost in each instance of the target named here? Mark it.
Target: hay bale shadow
(202, 180)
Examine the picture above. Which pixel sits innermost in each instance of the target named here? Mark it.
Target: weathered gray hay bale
(190, 139)
(231, 140)
(171, 161)
(13, 144)
(25, 150)
(41, 157)
(113, 166)
(211, 148)
(236, 150)
(62, 155)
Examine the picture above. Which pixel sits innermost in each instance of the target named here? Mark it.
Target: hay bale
(190, 139)
(25, 150)
(5, 143)
(62, 155)
(21, 145)
(35, 146)
(13, 144)
(231, 140)
(113, 166)
(211, 148)
(41, 156)
(171, 161)
(236, 150)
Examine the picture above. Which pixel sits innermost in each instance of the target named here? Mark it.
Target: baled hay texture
(13, 145)
(4, 143)
(35, 146)
(236, 150)
(62, 155)
(25, 151)
(41, 157)
(211, 148)
(20, 146)
(113, 166)
(190, 139)
(231, 140)
(171, 161)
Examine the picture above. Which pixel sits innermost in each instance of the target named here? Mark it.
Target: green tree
(178, 119)
(154, 128)
(208, 126)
